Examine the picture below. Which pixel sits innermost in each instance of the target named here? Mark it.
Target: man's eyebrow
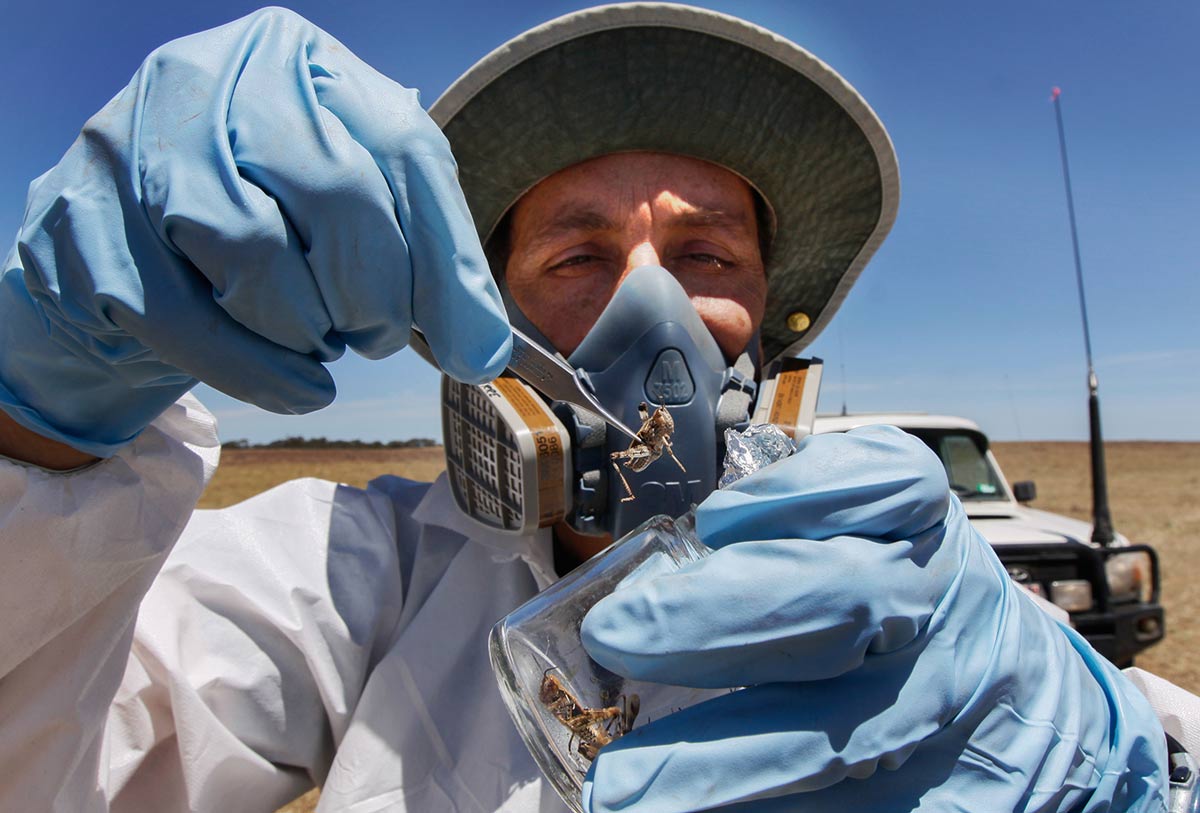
(576, 219)
(572, 220)
(715, 219)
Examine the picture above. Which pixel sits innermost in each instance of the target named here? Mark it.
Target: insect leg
(667, 444)
(624, 482)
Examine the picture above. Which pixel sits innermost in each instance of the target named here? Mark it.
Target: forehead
(626, 181)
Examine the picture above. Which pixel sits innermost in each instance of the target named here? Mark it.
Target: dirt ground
(1154, 491)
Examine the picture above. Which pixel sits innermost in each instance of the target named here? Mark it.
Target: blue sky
(970, 307)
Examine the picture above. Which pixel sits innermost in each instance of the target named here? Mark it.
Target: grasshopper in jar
(591, 728)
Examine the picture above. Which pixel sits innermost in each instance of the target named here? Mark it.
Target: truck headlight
(1128, 576)
(1073, 595)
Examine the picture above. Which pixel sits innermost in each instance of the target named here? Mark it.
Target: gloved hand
(256, 200)
(892, 663)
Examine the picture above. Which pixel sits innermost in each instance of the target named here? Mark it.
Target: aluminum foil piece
(746, 452)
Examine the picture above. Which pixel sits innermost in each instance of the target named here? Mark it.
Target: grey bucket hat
(678, 79)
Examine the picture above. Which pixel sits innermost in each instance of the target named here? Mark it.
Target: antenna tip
(1055, 92)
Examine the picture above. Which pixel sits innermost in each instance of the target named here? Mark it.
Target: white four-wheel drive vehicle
(1111, 592)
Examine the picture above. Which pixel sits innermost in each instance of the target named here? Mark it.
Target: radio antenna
(842, 362)
(1102, 527)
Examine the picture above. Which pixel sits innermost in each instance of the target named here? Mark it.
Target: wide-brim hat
(684, 80)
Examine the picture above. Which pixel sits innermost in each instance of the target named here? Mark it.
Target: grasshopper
(654, 438)
(593, 728)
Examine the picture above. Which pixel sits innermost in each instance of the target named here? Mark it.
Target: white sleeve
(1178, 710)
(78, 552)
(252, 648)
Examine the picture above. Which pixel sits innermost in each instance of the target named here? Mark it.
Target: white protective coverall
(314, 633)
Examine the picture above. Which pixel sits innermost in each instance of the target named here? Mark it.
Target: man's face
(577, 234)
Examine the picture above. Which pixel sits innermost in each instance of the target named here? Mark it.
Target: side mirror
(1025, 491)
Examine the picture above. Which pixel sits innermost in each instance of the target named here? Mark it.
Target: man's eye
(576, 260)
(710, 260)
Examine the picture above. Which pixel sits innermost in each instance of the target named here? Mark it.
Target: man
(256, 201)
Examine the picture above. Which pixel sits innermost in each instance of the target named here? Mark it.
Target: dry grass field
(246, 472)
(1155, 495)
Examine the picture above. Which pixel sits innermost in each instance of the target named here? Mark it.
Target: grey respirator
(516, 462)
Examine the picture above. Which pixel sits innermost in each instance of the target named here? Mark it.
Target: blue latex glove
(893, 665)
(256, 200)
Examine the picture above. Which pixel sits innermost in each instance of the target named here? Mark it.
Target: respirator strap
(737, 396)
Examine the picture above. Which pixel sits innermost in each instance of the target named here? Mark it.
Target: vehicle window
(971, 474)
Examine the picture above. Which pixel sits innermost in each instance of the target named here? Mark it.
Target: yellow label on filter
(789, 394)
(550, 454)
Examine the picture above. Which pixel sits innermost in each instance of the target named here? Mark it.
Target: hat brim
(694, 82)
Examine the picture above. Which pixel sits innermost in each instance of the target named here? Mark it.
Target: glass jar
(565, 705)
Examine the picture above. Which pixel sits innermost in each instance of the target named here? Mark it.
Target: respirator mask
(516, 462)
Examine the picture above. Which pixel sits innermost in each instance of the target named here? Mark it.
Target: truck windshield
(964, 454)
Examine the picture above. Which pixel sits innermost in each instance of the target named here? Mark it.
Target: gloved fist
(256, 200)
(891, 662)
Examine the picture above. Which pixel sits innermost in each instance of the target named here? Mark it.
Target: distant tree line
(297, 442)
